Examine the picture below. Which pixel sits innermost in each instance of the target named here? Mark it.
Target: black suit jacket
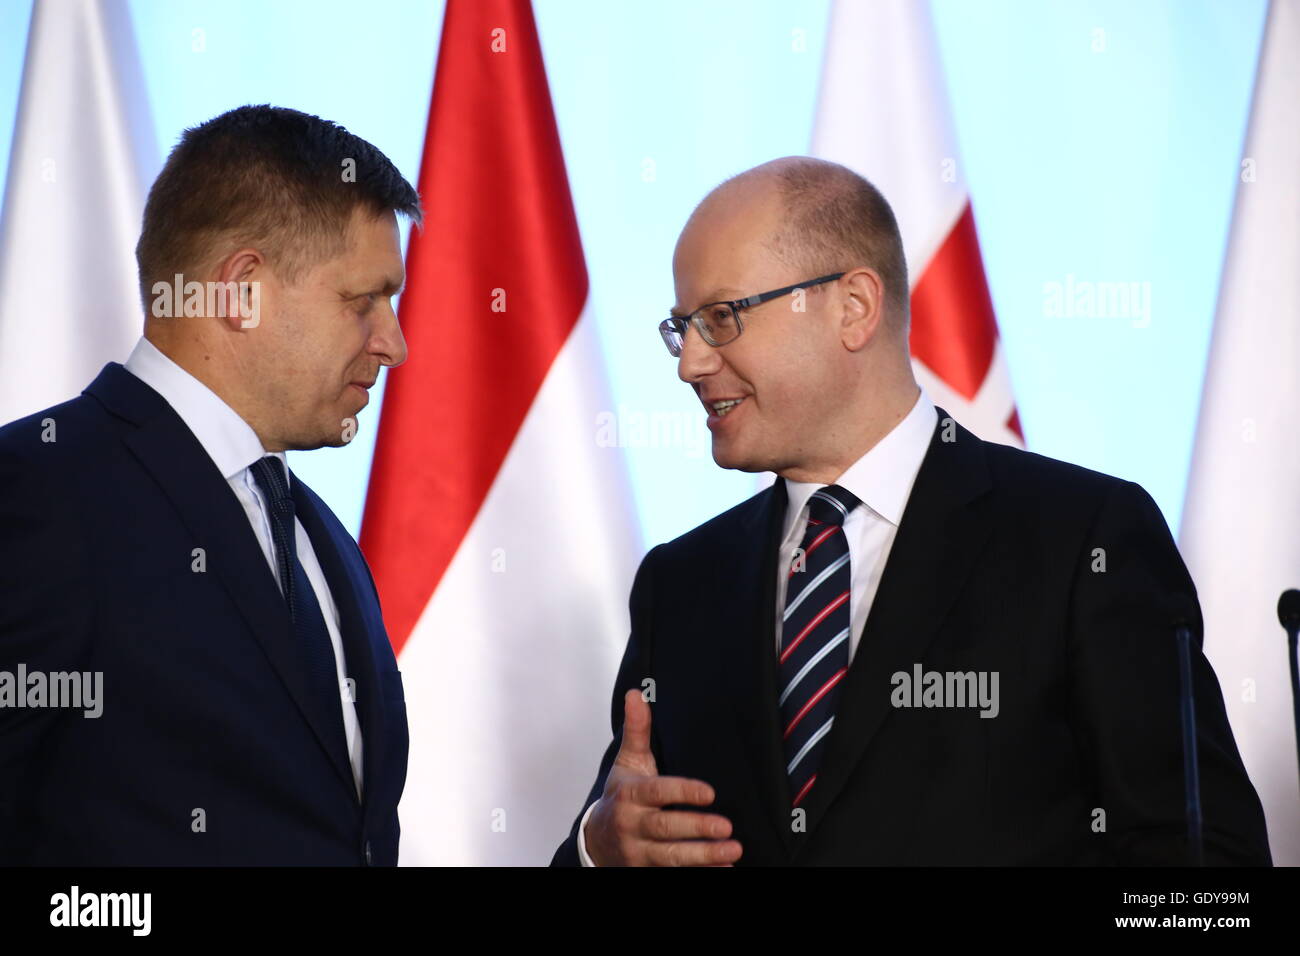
(209, 749)
(995, 567)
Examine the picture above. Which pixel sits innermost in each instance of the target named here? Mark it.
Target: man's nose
(698, 357)
(386, 339)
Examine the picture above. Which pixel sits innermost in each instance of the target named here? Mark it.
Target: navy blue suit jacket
(209, 749)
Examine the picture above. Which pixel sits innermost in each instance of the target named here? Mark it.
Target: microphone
(1191, 756)
(1288, 615)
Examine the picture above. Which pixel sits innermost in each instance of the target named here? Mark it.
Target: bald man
(915, 647)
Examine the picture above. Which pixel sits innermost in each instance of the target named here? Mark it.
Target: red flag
(883, 112)
(500, 234)
(497, 529)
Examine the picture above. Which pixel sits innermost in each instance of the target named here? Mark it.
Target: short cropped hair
(276, 179)
(835, 220)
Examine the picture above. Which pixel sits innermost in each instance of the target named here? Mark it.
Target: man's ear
(863, 299)
(240, 276)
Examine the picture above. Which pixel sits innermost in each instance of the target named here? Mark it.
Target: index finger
(661, 791)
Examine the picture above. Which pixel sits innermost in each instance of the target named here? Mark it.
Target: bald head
(822, 370)
(825, 218)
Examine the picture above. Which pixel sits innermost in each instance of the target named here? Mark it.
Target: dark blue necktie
(815, 636)
(304, 607)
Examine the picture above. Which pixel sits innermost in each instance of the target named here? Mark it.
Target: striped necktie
(815, 636)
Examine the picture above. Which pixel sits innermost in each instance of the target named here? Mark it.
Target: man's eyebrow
(717, 295)
(388, 286)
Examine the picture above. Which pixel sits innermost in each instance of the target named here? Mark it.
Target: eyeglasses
(719, 322)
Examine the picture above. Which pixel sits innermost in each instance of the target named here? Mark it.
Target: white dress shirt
(233, 446)
(882, 480)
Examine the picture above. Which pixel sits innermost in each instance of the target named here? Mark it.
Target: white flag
(1241, 522)
(883, 112)
(83, 155)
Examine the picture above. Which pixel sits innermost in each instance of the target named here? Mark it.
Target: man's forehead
(718, 294)
(363, 268)
(720, 270)
(726, 243)
(732, 224)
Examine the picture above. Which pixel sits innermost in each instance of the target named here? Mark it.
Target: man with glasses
(916, 647)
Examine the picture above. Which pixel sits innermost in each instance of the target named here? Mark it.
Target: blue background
(1116, 165)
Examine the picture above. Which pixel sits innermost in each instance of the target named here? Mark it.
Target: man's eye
(719, 316)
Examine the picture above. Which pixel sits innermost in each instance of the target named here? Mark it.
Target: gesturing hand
(629, 825)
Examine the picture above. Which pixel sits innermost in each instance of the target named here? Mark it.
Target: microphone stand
(1191, 764)
(1288, 615)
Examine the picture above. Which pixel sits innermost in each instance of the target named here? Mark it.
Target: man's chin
(345, 427)
(343, 436)
(734, 460)
(327, 437)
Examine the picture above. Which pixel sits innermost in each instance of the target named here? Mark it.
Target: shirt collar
(881, 479)
(229, 441)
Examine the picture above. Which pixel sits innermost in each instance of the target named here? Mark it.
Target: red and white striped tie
(815, 636)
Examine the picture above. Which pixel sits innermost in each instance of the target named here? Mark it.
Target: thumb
(635, 747)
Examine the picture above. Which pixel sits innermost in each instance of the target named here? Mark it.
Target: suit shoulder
(1032, 476)
(54, 436)
(1058, 491)
(721, 530)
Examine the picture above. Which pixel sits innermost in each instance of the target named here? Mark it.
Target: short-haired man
(154, 545)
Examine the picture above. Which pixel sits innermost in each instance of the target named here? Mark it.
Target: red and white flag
(883, 112)
(500, 533)
(84, 153)
(1241, 521)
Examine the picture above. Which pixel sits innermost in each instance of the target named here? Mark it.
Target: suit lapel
(758, 717)
(168, 450)
(940, 536)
